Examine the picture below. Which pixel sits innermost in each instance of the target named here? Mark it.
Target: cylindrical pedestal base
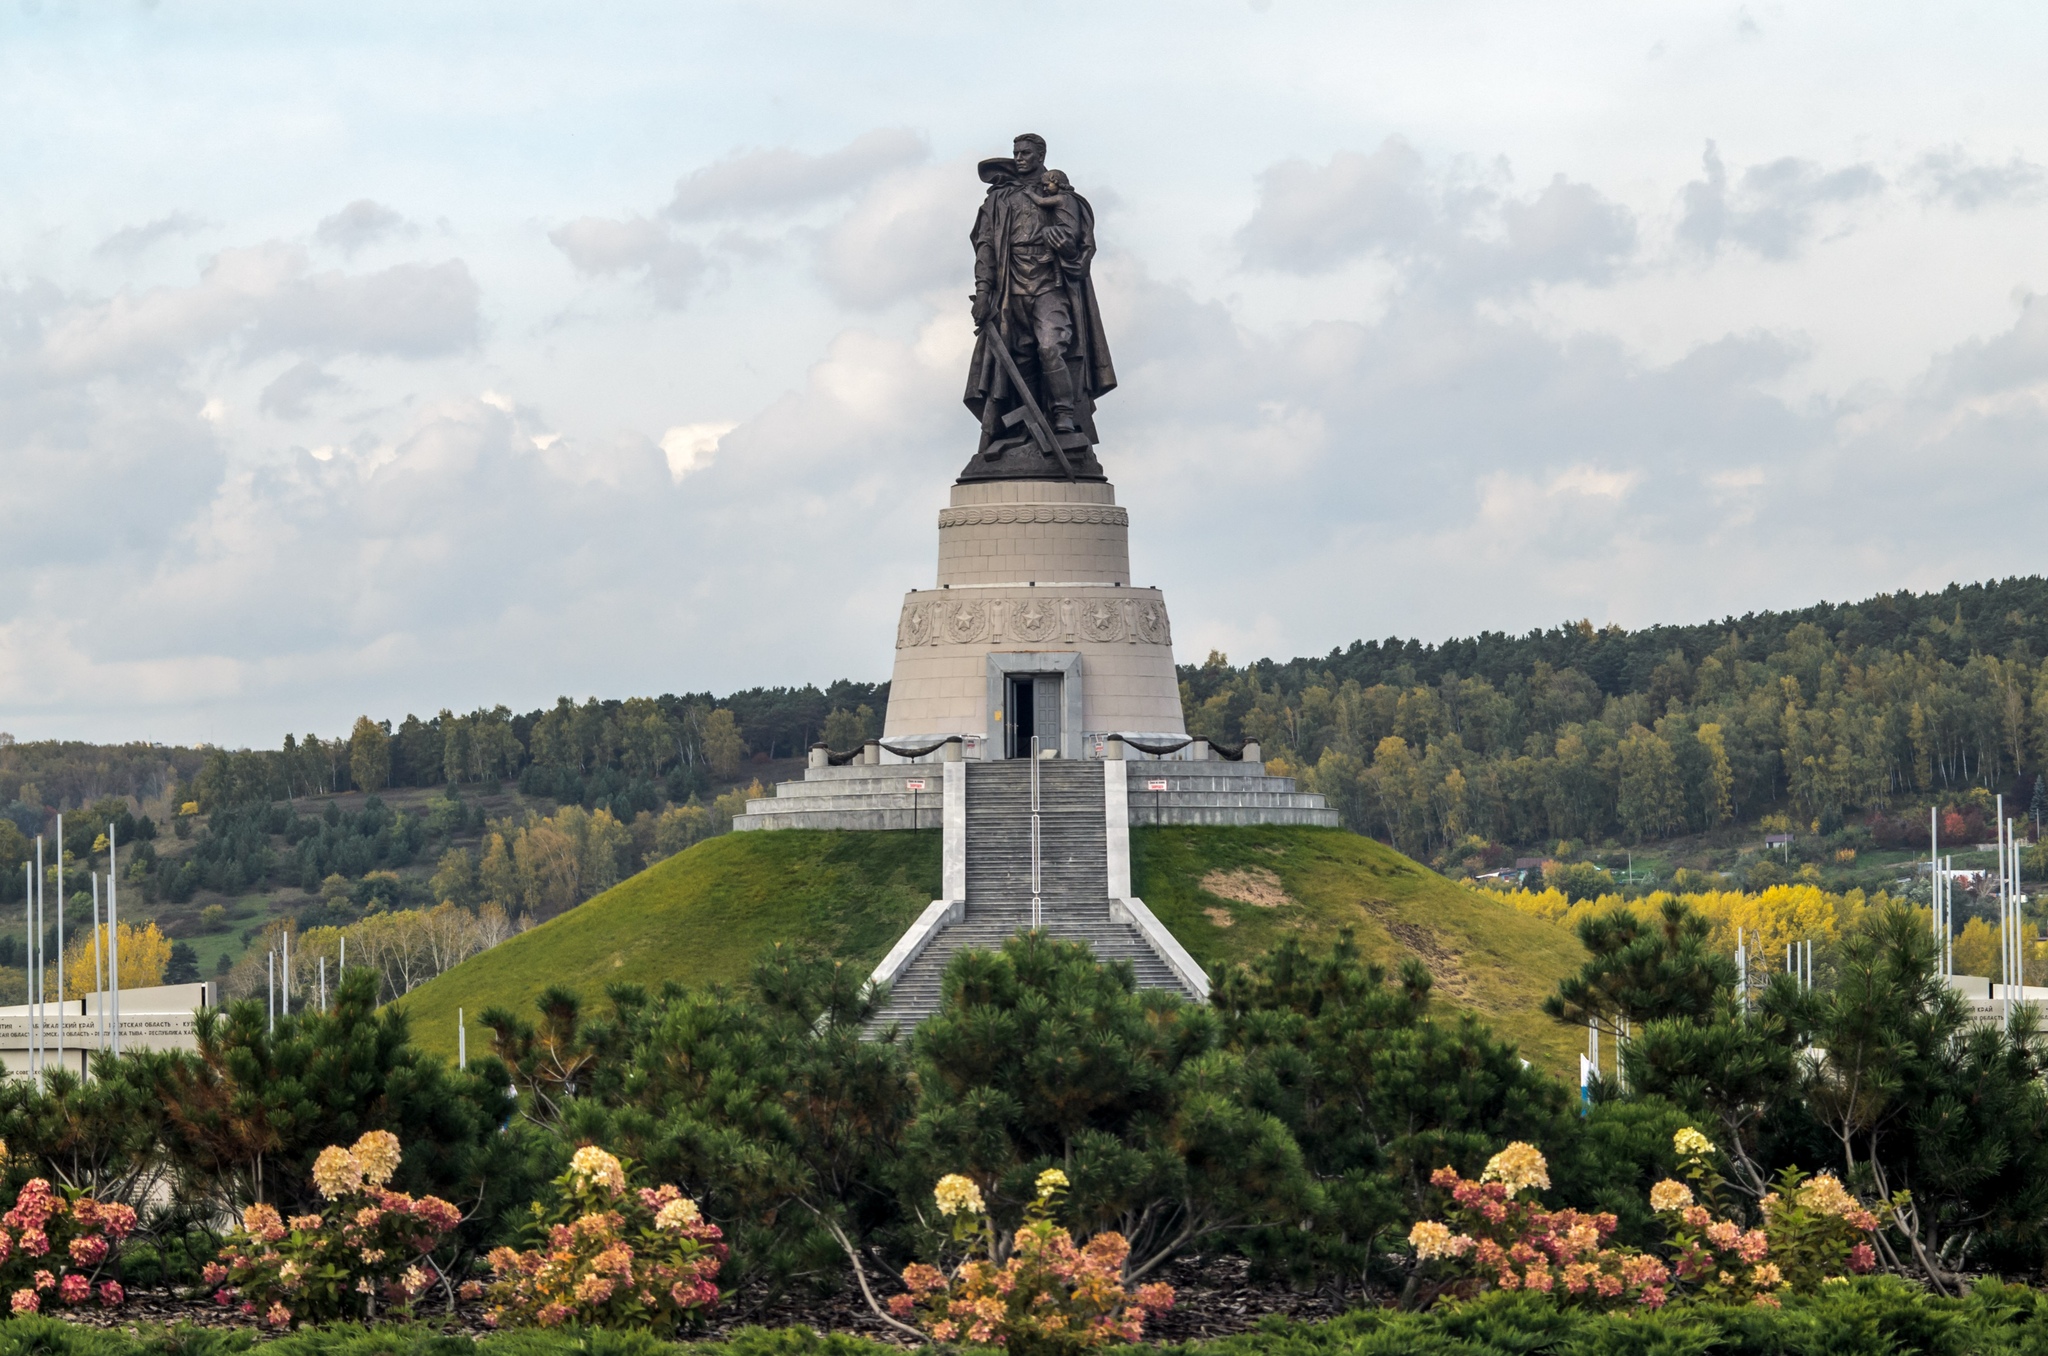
(1034, 606)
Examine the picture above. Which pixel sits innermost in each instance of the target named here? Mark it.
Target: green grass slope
(1230, 893)
(706, 914)
(702, 916)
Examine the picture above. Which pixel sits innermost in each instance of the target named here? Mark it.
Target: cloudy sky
(380, 358)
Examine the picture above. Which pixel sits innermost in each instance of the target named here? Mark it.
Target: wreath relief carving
(1102, 619)
(966, 621)
(1152, 627)
(1036, 619)
(916, 627)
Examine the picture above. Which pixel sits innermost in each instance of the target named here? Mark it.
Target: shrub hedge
(1875, 1316)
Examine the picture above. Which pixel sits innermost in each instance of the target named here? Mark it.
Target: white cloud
(360, 224)
(781, 180)
(906, 235)
(1450, 229)
(130, 241)
(1773, 209)
(690, 447)
(1314, 218)
(291, 394)
(407, 310)
(600, 246)
(264, 298)
(1953, 176)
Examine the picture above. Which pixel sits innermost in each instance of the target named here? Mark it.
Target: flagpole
(36, 994)
(114, 935)
(99, 976)
(60, 950)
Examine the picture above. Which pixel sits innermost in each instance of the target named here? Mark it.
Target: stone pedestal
(1034, 579)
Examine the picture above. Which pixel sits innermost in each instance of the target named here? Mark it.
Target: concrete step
(918, 991)
(1073, 849)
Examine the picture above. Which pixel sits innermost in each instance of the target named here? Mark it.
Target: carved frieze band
(1100, 515)
(935, 619)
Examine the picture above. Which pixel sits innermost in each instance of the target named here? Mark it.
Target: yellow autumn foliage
(1769, 920)
(1976, 952)
(145, 956)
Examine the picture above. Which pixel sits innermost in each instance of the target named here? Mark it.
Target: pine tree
(1378, 1091)
(1644, 970)
(1040, 1057)
(245, 1114)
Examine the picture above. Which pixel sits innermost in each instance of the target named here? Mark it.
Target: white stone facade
(1040, 570)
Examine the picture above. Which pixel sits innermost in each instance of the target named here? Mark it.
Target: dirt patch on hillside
(1253, 885)
(1427, 944)
(1222, 918)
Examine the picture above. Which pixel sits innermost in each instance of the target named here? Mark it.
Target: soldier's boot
(1059, 381)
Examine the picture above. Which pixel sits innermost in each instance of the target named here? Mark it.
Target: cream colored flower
(1049, 1181)
(413, 1280)
(336, 1172)
(377, 1155)
(956, 1194)
(1670, 1195)
(1518, 1167)
(1431, 1239)
(594, 1167)
(1690, 1143)
(1826, 1195)
(262, 1220)
(1767, 1276)
(676, 1216)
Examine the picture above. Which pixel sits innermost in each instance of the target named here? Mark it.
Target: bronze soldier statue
(1040, 359)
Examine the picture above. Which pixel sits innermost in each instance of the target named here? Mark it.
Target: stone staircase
(1073, 881)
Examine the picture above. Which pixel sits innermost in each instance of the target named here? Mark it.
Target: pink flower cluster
(1051, 1291)
(76, 1234)
(1514, 1244)
(1819, 1232)
(367, 1244)
(1812, 1231)
(614, 1258)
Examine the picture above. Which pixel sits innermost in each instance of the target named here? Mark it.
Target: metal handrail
(1036, 917)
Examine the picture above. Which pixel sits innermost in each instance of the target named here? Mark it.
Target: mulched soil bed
(1216, 1298)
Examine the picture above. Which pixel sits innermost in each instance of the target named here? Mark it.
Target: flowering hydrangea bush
(610, 1257)
(56, 1243)
(1813, 1231)
(1050, 1295)
(367, 1245)
(1819, 1232)
(1498, 1236)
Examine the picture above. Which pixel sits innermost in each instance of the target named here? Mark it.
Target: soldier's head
(1030, 152)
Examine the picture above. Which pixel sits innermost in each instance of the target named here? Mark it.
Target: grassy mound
(1230, 893)
(702, 916)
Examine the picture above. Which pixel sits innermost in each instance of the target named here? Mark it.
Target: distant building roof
(1777, 839)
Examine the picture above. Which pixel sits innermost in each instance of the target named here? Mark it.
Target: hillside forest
(1609, 760)
(1838, 724)
(426, 840)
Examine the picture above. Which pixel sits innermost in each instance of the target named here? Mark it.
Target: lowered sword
(1033, 417)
